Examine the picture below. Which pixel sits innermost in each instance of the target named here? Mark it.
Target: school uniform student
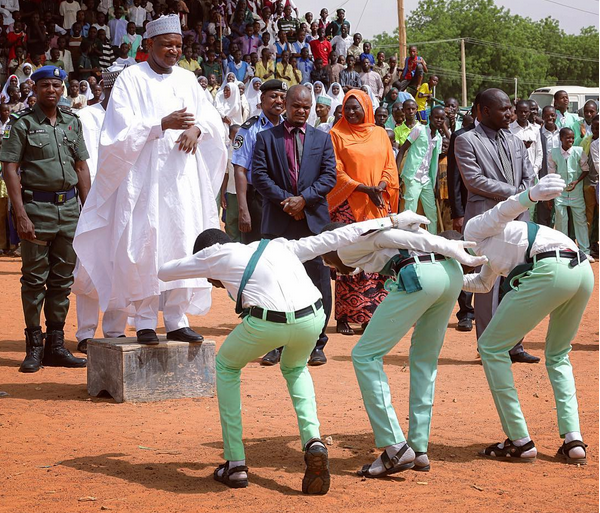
(279, 306)
(423, 289)
(424, 145)
(557, 281)
(571, 164)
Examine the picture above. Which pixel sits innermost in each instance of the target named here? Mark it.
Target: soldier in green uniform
(43, 159)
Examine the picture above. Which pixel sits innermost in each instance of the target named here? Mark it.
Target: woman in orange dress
(367, 188)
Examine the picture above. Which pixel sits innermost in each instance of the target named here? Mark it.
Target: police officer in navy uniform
(43, 161)
(272, 103)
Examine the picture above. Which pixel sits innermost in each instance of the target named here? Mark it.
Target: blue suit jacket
(271, 178)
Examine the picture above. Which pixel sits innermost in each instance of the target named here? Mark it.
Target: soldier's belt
(58, 198)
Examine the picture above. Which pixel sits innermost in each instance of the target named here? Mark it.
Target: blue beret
(49, 72)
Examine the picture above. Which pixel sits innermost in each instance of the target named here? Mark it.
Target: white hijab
(209, 96)
(225, 81)
(88, 92)
(4, 95)
(323, 90)
(312, 117)
(374, 99)
(336, 99)
(232, 106)
(253, 97)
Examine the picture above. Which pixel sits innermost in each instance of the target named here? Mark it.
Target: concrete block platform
(129, 371)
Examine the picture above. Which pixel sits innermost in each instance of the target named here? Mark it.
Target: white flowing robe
(149, 200)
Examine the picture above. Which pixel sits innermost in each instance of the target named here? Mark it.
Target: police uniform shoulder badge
(250, 121)
(238, 142)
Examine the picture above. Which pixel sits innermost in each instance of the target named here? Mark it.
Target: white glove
(408, 220)
(548, 188)
(457, 250)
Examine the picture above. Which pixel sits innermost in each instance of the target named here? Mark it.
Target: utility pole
(463, 69)
(401, 33)
(516, 88)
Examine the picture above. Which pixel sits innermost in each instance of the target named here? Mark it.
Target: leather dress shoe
(465, 324)
(185, 335)
(57, 355)
(34, 347)
(271, 358)
(524, 357)
(317, 357)
(82, 346)
(147, 337)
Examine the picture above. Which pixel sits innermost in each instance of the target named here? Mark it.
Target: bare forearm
(241, 186)
(84, 181)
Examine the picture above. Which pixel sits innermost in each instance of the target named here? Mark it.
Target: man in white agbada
(114, 321)
(161, 162)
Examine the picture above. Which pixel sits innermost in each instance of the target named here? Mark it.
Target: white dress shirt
(594, 147)
(504, 241)
(422, 174)
(552, 138)
(531, 133)
(372, 252)
(341, 44)
(279, 281)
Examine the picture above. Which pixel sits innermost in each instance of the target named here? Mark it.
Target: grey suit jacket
(482, 174)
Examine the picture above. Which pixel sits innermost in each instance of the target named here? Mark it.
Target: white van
(577, 96)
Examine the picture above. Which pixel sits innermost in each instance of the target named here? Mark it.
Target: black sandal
(509, 452)
(316, 479)
(344, 328)
(236, 483)
(564, 450)
(391, 465)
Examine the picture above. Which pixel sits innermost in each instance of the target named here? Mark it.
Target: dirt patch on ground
(61, 450)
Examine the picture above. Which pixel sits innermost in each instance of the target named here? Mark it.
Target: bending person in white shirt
(559, 283)
(280, 306)
(424, 287)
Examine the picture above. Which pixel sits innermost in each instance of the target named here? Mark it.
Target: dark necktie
(298, 150)
(507, 169)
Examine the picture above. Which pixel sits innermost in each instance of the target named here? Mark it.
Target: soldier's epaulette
(67, 110)
(21, 113)
(250, 121)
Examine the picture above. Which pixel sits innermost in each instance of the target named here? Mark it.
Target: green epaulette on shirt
(21, 113)
(67, 110)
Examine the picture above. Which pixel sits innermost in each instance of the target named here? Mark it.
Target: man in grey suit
(494, 165)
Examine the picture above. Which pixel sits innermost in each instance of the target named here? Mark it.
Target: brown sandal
(565, 448)
(509, 452)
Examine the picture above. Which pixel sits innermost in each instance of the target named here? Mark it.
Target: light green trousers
(252, 339)
(552, 288)
(430, 308)
(579, 220)
(415, 190)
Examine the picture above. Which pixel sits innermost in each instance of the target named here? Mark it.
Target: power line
(571, 7)
(494, 44)
(361, 15)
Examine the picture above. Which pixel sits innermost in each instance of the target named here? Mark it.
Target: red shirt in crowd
(321, 50)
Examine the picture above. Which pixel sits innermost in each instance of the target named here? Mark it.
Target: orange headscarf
(364, 155)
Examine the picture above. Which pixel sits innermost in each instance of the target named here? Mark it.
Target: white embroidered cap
(164, 25)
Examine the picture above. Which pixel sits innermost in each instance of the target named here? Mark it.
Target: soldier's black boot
(56, 354)
(34, 340)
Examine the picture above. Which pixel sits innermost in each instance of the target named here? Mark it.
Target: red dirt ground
(61, 450)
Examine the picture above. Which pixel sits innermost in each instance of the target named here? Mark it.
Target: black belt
(575, 258)
(423, 259)
(58, 198)
(281, 317)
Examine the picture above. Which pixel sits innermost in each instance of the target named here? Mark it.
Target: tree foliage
(499, 46)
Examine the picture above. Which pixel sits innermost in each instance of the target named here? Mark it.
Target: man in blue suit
(294, 169)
